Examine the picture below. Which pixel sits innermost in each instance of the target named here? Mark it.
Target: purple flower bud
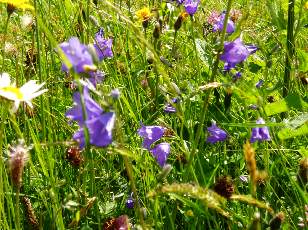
(260, 133)
(130, 203)
(216, 134)
(259, 83)
(115, 93)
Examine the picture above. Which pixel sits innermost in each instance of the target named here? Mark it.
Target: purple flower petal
(191, 6)
(150, 135)
(260, 133)
(102, 46)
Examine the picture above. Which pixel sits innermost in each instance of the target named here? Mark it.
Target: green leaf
(303, 60)
(291, 133)
(292, 101)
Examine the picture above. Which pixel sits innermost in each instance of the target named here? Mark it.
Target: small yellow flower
(25, 93)
(144, 14)
(20, 4)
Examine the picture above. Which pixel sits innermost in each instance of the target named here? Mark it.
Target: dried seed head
(178, 23)
(30, 214)
(235, 15)
(10, 8)
(18, 157)
(302, 176)
(157, 30)
(249, 153)
(74, 156)
(276, 221)
(261, 177)
(224, 186)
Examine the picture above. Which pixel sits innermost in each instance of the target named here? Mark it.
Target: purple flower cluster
(151, 134)
(80, 59)
(99, 124)
(236, 52)
(218, 24)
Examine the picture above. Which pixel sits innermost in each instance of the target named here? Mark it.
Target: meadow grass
(231, 184)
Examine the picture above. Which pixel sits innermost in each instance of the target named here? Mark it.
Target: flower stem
(290, 49)
(4, 40)
(212, 78)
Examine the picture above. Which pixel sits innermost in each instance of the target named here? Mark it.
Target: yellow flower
(306, 6)
(25, 93)
(20, 4)
(144, 14)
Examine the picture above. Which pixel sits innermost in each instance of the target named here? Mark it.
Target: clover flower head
(260, 133)
(216, 134)
(191, 6)
(103, 47)
(161, 152)
(150, 134)
(77, 55)
(25, 93)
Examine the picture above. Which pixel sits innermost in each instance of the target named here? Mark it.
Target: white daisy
(25, 93)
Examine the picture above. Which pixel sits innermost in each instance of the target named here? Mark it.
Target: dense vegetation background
(169, 67)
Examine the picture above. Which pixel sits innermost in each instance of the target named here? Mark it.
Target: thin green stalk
(17, 219)
(4, 40)
(290, 49)
(208, 93)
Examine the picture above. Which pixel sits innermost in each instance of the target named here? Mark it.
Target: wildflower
(74, 156)
(102, 46)
(100, 130)
(259, 83)
(26, 21)
(161, 152)
(121, 223)
(78, 56)
(19, 4)
(260, 133)
(25, 93)
(216, 134)
(96, 77)
(191, 6)
(150, 135)
(276, 221)
(144, 14)
(115, 93)
(130, 203)
(236, 52)
(244, 178)
(92, 109)
(219, 24)
(18, 157)
(169, 107)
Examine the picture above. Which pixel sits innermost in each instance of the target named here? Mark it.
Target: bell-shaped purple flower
(100, 130)
(216, 134)
(236, 52)
(102, 46)
(219, 24)
(191, 6)
(130, 203)
(161, 152)
(78, 56)
(150, 134)
(91, 107)
(260, 133)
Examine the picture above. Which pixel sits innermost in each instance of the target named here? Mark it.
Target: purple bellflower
(78, 56)
(130, 203)
(191, 6)
(219, 24)
(260, 133)
(96, 77)
(102, 46)
(161, 152)
(216, 134)
(150, 135)
(91, 107)
(236, 52)
(100, 130)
